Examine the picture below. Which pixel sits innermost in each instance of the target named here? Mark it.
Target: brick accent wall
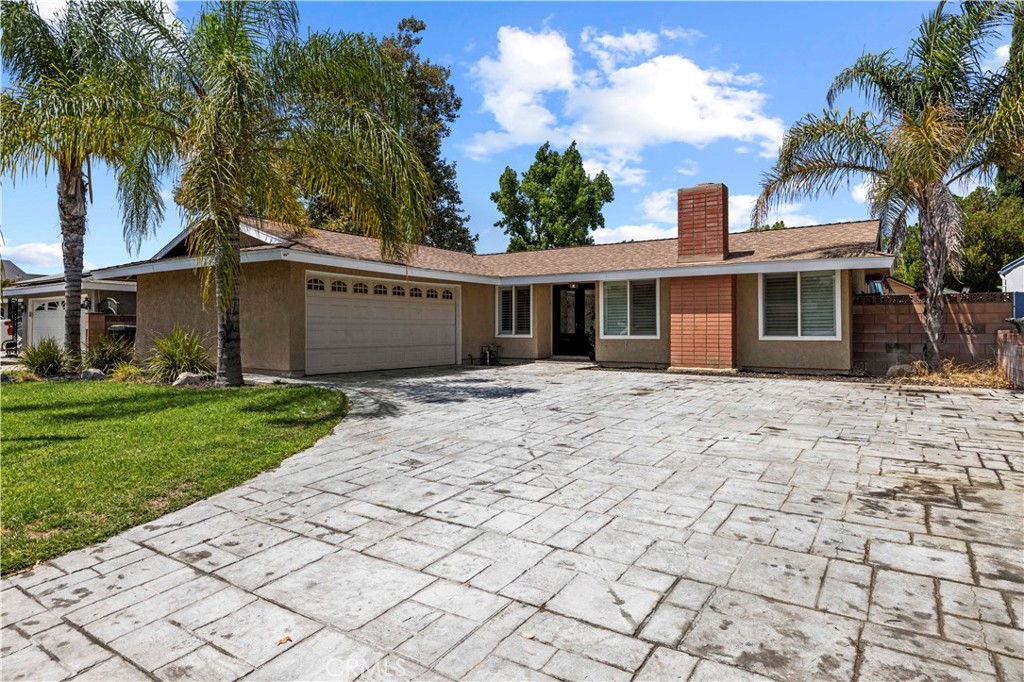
(889, 330)
(703, 328)
(1010, 348)
(703, 213)
(98, 325)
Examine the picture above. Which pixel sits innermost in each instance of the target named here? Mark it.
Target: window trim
(629, 311)
(837, 297)
(497, 311)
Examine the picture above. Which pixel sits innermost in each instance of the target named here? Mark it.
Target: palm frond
(819, 155)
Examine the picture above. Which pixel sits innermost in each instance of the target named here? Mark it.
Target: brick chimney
(703, 223)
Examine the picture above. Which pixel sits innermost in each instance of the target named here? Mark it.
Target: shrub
(127, 372)
(46, 358)
(106, 353)
(180, 351)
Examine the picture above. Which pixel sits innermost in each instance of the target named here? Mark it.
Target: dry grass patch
(957, 375)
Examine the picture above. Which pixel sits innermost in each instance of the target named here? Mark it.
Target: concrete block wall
(890, 330)
(1010, 346)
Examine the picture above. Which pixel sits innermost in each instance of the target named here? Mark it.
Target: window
(447, 295)
(338, 285)
(315, 284)
(415, 292)
(630, 309)
(360, 288)
(398, 291)
(380, 290)
(514, 311)
(431, 293)
(799, 305)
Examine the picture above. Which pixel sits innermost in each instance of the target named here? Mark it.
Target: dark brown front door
(573, 325)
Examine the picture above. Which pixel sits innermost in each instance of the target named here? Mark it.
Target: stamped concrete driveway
(546, 521)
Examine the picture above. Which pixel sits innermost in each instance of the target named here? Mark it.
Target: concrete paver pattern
(550, 522)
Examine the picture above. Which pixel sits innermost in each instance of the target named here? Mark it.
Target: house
(10, 272)
(323, 302)
(1012, 275)
(36, 306)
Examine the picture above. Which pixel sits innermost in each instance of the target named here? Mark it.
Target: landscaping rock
(5, 378)
(191, 379)
(900, 371)
(92, 375)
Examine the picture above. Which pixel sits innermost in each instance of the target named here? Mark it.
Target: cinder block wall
(1010, 347)
(890, 330)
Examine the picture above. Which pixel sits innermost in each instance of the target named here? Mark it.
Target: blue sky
(660, 95)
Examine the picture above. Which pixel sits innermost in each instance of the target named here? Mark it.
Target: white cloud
(38, 257)
(740, 206)
(860, 191)
(688, 168)
(610, 50)
(528, 66)
(680, 33)
(997, 59)
(660, 207)
(624, 233)
(537, 91)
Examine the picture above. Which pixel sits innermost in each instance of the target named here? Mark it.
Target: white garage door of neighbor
(356, 325)
(47, 320)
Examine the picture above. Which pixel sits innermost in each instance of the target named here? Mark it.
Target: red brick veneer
(703, 329)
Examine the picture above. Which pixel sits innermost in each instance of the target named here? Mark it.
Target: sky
(658, 95)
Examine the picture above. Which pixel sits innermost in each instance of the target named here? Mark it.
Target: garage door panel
(350, 332)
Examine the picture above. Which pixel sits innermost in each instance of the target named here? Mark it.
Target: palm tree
(256, 115)
(56, 69)
(938, 117)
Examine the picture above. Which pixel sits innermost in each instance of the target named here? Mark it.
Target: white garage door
(357, 324)
(47, 320)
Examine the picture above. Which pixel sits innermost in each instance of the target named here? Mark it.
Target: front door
(574, 319)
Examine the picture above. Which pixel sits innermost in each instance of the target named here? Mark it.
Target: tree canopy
(555, 204)
(437, 107)
(993, 236)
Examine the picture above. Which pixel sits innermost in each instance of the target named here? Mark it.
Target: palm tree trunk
(71, 208)
(933, 252)
(229, 338)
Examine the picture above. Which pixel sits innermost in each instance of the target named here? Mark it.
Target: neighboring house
(324, 302)
(37, 305)
(1012, 275)
(10, 273)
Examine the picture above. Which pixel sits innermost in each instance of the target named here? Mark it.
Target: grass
(83, 461)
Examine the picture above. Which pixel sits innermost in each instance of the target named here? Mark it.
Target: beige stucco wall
(166, 299)
(753, 353)
(639, 352)
(538, 344)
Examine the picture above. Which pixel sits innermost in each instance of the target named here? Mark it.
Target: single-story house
(36, 306)
(323, 302)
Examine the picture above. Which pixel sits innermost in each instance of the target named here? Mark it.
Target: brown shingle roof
(836, 240)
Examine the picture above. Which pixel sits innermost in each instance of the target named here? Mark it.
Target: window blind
(780, 304)
(505, 311)
(643, 319)
(817, 304)
(616, 309)
(522, 325)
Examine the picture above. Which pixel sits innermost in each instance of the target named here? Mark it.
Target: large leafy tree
(256, 115)
(437, 107)
(993, 236)
(937, 117)
(556, 204)
(54, 119)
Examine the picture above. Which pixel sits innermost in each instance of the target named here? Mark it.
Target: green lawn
(82, 461)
